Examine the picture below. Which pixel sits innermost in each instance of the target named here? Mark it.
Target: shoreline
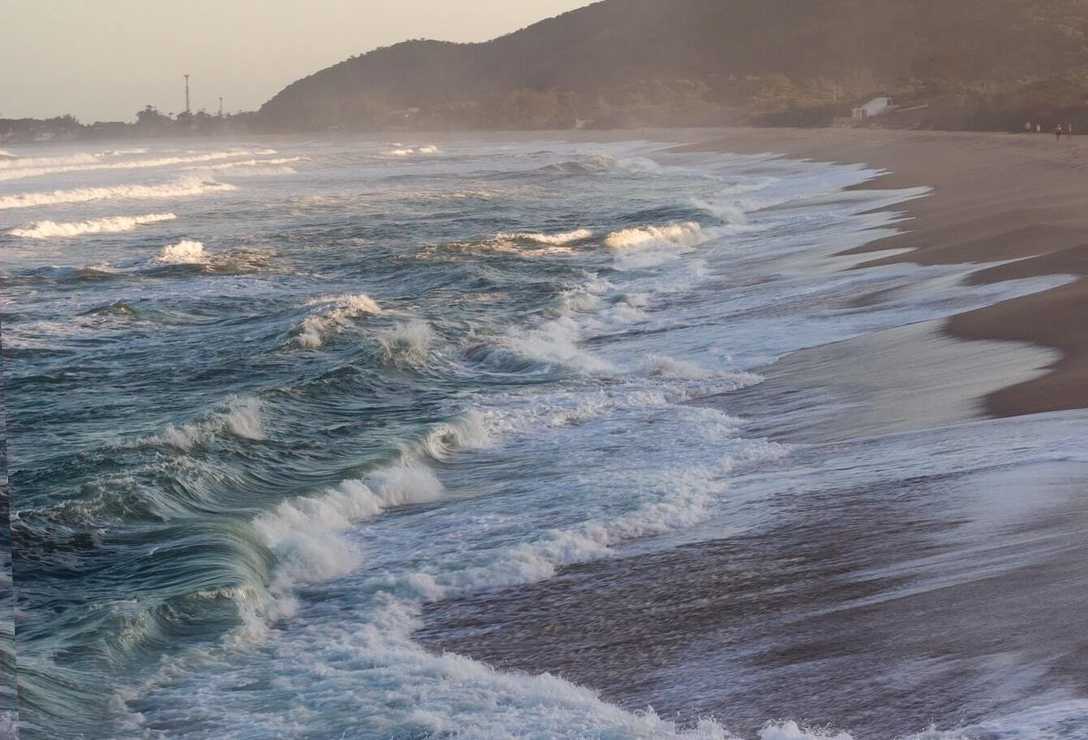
(1015, 204)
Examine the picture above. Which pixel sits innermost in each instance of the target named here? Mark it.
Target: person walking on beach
(1058, 132)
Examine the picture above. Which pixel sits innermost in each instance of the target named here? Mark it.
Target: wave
(12, 161)
(242, 417)
(409, 151)
(560, 239)
(253, 163)
(124, 152)
(111, 225)
(315, 329)
(407, 343)
(557, 343)
(597, 164)
(181, 188)
(687, 234)
(303, 532)
(185, 252)
(306, 534)
(97, 164)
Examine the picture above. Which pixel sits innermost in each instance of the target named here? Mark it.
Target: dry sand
(998, 197)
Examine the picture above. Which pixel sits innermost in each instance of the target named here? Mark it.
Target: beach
(1016, 199)
(581, 434)
(915, 574)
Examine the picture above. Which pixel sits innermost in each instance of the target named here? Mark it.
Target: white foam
(560, 239)
(342, 309)
(306, 533)
(181, 188)
(303, 532)
(12, 162)
(473, 430)
(404, 151)
(124, 152)
(96, 164)
(680, 500)
(662, 366)
(557, 342)
(410, 342)
(276, 164)
(242, 417)
(185, 252)
(687, 234)
(110, 225)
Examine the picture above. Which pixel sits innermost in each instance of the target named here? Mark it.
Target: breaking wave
(306, 534)
(242, 418)
(111, 225)
(185, 252)
(560, 239)
(557, 343)
(12, 161)
(181, 188)
(96, 164)
(408, 343)
(342, 309)
(409, 151)
(688, 234)
(277, 163)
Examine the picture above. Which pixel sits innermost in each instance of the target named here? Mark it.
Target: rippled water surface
(267, 403)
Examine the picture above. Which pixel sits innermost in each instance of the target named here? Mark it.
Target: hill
(975, 63)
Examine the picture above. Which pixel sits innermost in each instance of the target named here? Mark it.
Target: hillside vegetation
(972, 63)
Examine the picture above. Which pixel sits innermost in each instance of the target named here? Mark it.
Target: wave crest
(185, 252)
(687, 234)
(242, 418)
(408, 343)
(316, 328)
(111, 225)
(181, 188)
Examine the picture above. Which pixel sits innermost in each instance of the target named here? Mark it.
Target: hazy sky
(104, 59)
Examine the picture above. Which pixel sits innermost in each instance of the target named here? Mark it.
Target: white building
(875, 107)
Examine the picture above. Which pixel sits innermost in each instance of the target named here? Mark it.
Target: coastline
(1018, 201)
(911, 564)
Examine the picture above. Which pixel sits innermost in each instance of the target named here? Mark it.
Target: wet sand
(883, 589)
(997, 198)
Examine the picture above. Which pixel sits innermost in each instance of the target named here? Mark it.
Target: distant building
(872, 109)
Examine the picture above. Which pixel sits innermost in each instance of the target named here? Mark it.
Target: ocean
(516, 436)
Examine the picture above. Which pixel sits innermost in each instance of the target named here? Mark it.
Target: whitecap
(181, 188)
(341, 310)
(687, 234)
(110, 225)
(185, 252)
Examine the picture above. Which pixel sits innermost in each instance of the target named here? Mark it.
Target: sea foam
(688, 234)
(97, 164)
(181, 188)
(560, 239)
(185, 252)
(407, 343)
(339, 311)
(111, 225)
(240, 417)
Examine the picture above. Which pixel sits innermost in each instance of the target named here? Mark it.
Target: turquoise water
(266, 401)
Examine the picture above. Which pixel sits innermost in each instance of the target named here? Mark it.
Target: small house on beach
(872, 109)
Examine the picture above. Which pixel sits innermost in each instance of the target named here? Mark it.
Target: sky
(102, 60)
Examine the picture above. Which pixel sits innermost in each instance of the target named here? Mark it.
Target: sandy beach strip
(997, 197)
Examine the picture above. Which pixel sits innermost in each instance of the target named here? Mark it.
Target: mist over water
(260, 429)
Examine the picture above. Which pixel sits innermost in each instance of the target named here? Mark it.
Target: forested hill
(980, 63)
